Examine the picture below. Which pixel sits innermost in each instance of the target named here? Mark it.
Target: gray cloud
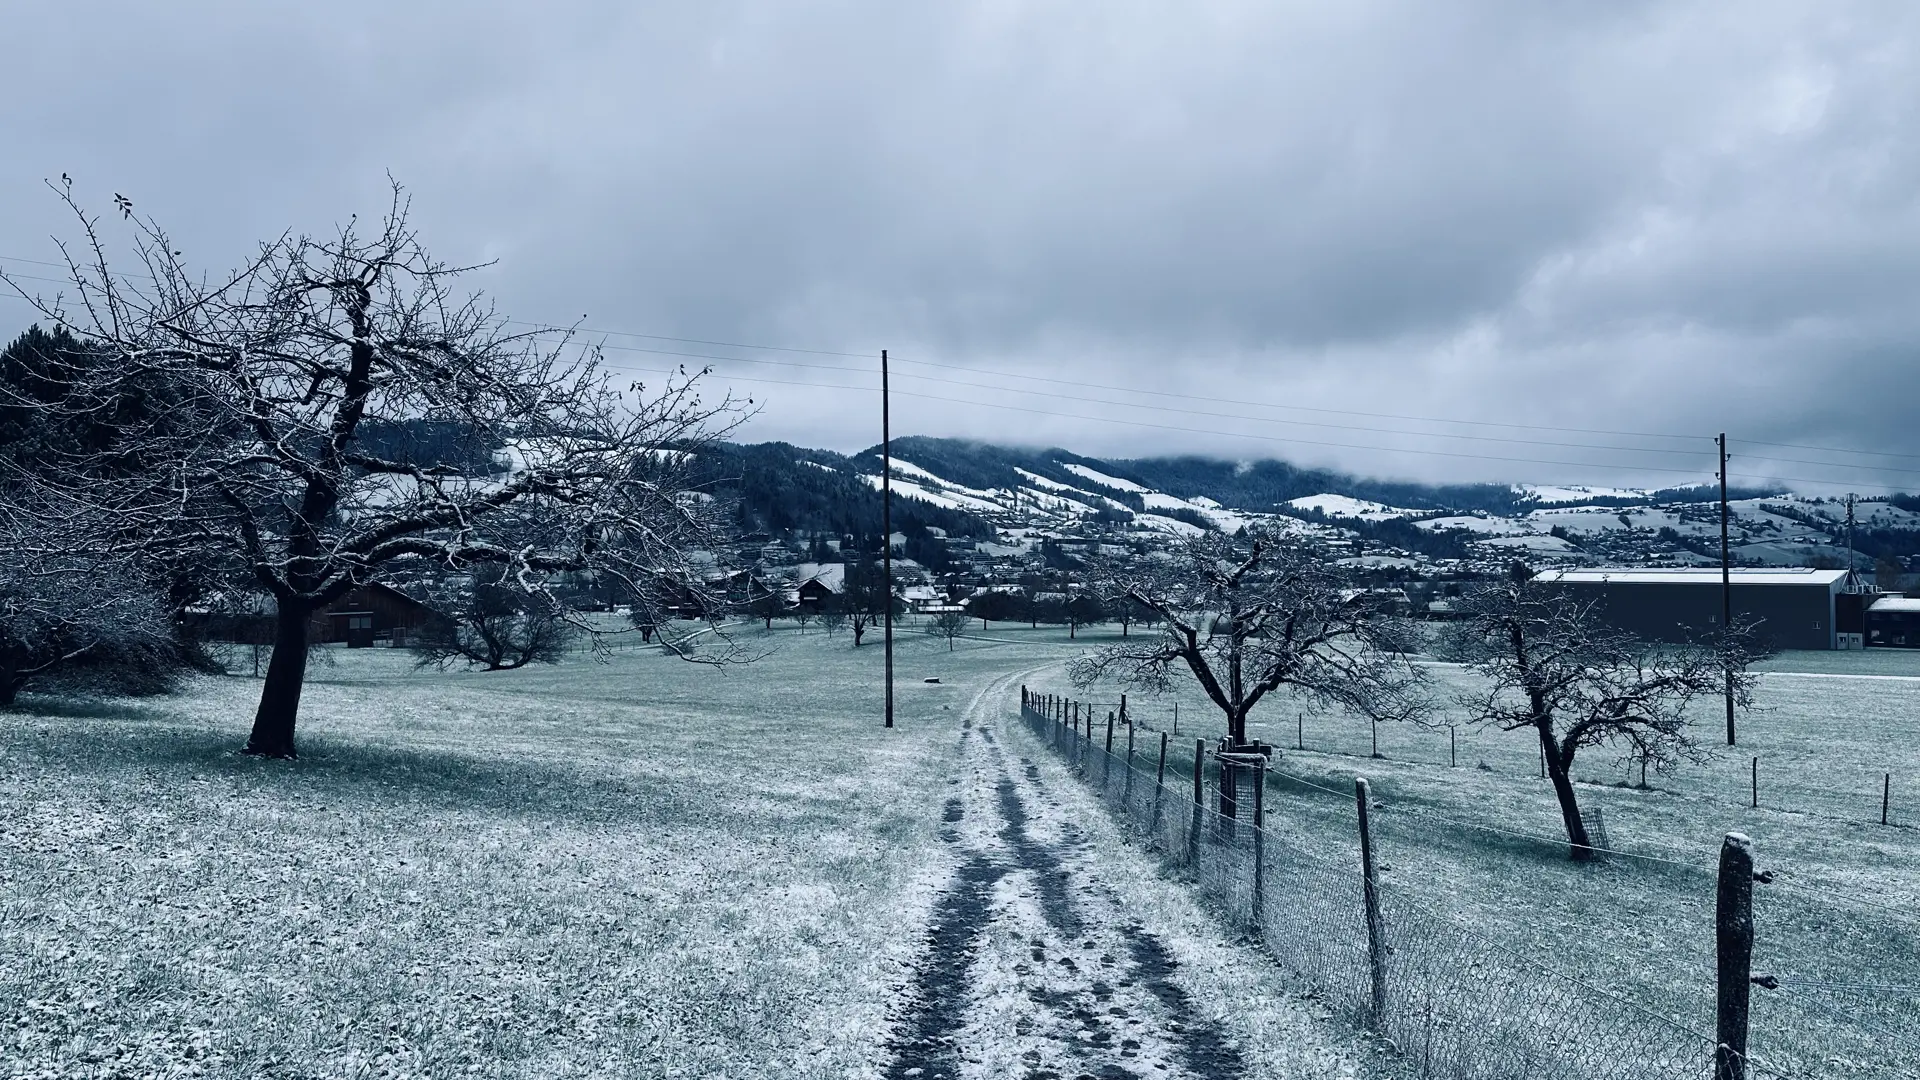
(1630, 217)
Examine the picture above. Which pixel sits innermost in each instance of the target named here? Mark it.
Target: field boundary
(1452, 1001)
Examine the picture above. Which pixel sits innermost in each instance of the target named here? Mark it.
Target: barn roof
(1896, 603)
(1695, 575)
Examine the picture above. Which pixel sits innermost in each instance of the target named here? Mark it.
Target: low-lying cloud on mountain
(1675, 218)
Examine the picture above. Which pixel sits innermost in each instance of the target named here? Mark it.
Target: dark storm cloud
(1632, 217)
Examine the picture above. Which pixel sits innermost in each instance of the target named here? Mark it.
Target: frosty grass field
(649, 868)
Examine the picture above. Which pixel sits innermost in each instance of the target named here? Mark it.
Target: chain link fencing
(1444, 981)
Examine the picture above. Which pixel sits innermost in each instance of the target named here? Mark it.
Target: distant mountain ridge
(973, 489)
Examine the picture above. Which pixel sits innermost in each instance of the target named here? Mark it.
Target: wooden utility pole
(1726, 579)
(886, 520)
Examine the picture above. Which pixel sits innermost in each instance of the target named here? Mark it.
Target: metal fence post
(1886, 797)
(1756, 783)
(1733, 934)
(1370, 895)
(1109, 731)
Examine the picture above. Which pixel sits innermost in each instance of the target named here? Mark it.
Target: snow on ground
(1172, 526)
(1338, 506)
(1103, 479)
(1223, 519)
(1548, 493)
(1045, 484)
(817, 465)
(952, 500)
(1475, 523)
(1533, 542)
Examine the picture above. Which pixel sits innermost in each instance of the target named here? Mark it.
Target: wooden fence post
(1733, 936)
(1160, 778)
(1370, 895)
(1109, 731)
(1199, 802)
(1259, 843)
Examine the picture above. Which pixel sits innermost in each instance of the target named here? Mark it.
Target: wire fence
(1442, 976)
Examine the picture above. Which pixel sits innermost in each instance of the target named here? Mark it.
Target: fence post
(1370, 894)
(1199, 802)
(1299, 731)
(1453, 750)
(1124, 717)
(1259, 843)
(1886, 797)
(1733, 938)
(1160, 778)
(1756, 783)
(1109, 731)
(1176, 718)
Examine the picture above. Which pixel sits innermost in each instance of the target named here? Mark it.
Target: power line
(1162, 408)
(1615, 468)
(1082, 385)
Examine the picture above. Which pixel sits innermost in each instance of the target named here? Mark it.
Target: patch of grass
(642, 867)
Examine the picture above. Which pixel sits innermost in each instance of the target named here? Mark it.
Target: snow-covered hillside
(1026, 496)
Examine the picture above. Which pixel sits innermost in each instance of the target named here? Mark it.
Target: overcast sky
(1660, 218)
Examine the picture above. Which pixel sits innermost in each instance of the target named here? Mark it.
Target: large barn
(1796, 608)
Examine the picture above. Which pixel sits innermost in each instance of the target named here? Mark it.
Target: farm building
(1795, 607)
(1894, 622)
(369, 613)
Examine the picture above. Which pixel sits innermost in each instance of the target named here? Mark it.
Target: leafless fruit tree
(948, 624)
(292, 362)
(1246, 616)
(1550, 663)
(497, 627)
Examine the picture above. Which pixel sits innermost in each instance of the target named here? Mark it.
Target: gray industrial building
(1796, 608)
(1893, 622)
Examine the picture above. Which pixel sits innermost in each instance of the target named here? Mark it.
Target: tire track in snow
(1026, 973)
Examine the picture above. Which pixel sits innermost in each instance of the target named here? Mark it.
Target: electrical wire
(1081, 385)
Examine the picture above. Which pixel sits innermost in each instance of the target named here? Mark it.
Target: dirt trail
(1031, 970)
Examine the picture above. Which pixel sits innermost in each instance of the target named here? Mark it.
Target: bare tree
(292, 362)
(1246, 617)
(948, 624)
(1552, 665)
(497, 627)
(833, 617)
(864, 593)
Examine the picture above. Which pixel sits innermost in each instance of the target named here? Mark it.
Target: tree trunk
(859, 631)
(10, 685)
(280, 696)
(1557, 771)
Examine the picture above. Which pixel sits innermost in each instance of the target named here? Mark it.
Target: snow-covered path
(1032, 968)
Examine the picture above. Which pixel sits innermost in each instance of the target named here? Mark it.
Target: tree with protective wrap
(291, 361)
